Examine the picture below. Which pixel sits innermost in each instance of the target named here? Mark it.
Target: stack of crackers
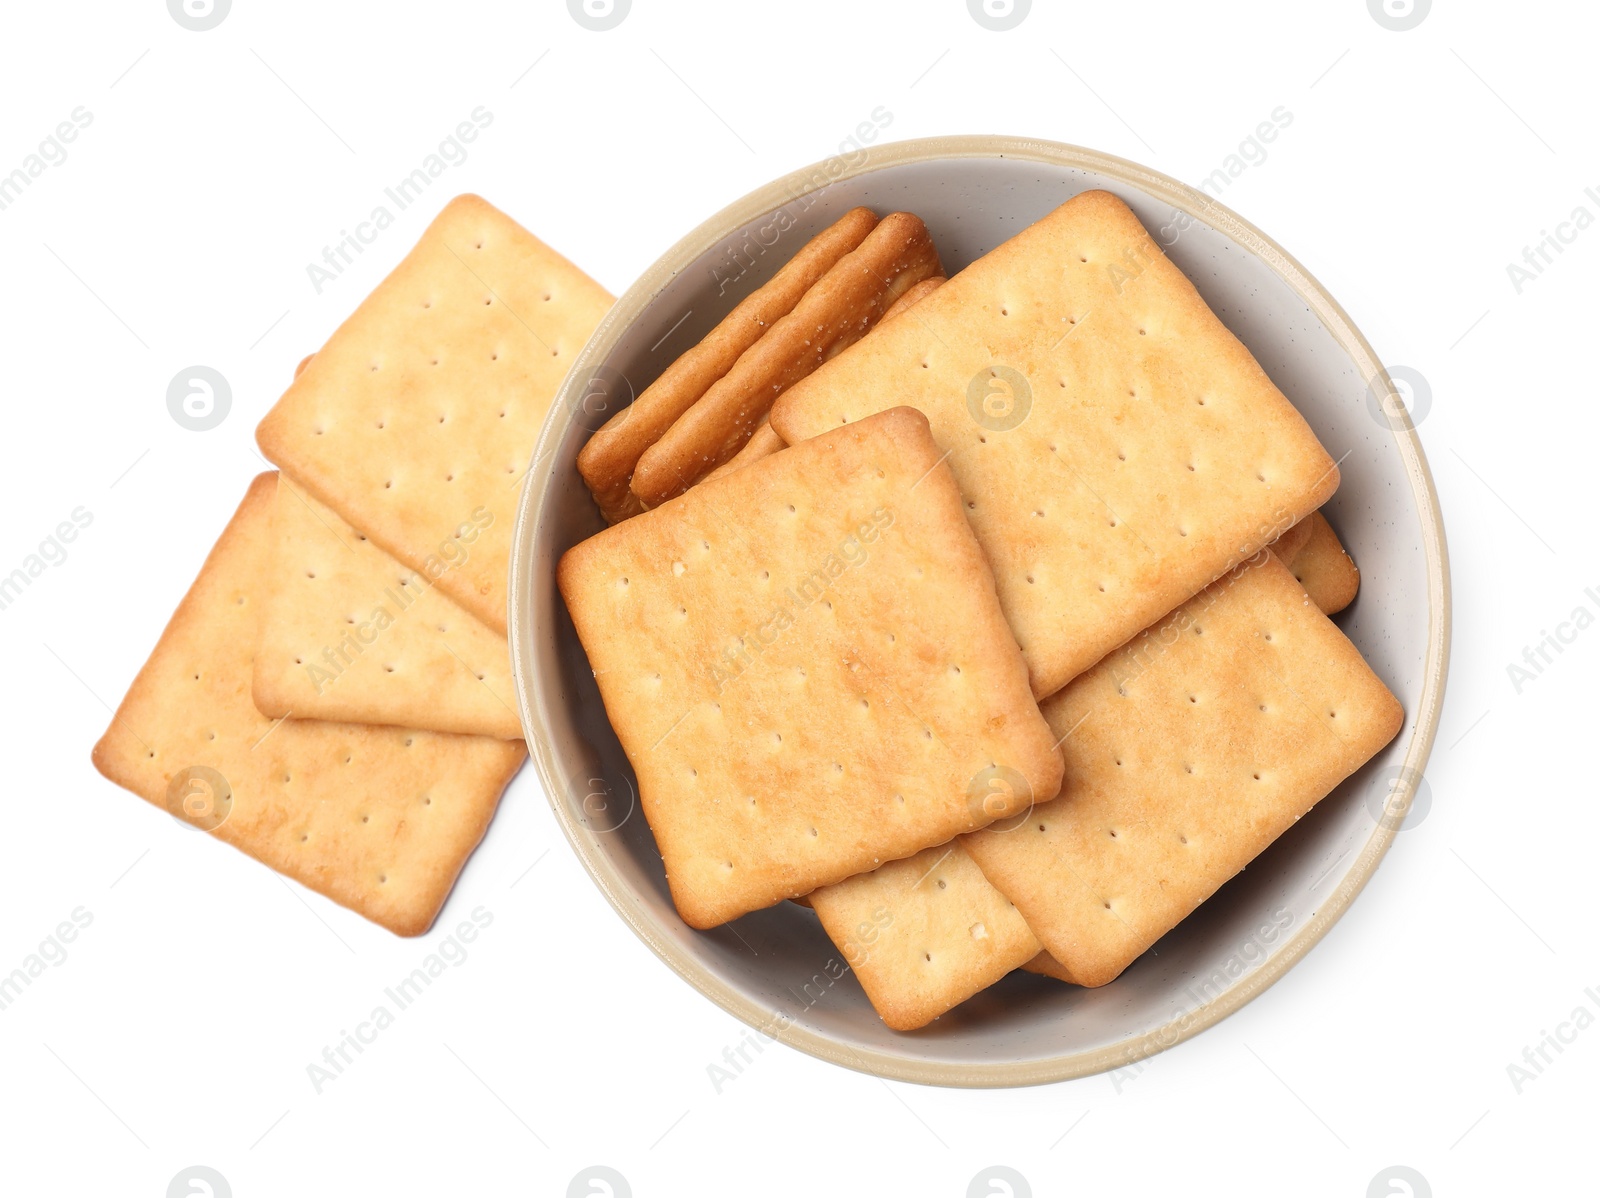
(333, 695)
(988, 616)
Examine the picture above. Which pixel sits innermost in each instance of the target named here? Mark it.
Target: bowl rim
(530, 700)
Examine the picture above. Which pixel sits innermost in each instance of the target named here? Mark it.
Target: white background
(178, 230)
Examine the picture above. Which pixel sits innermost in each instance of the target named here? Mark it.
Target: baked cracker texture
(1188, 752)
(924, 934)
(838, 310)
(763, 443)
(1118, 447)
(379, 820)
(348, 633)
(608, 459)
(417, 419)
(806, 664)
(1293, 540)
(1324, 567)
(913, 296)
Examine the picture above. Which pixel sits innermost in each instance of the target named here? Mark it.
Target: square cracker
(1118, 446)
(415, 422)
(348, 633)
(1289, 549)
(380, 820)
(1047, 965)
(924, 934)
(1293, 540)
(1324, 567)
(1188, 752)
(806, 663)
(608, 459)
(839, 309)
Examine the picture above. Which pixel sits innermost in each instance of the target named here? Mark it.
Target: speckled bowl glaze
(775, 969)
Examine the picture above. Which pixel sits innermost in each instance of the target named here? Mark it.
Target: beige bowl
(775, 969)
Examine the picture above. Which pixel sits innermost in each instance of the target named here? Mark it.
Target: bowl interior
(775, 968)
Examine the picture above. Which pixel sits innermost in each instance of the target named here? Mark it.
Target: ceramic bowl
(772, 968)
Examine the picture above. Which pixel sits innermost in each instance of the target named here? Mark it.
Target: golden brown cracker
(807, 666)
(835, 313)
(1324, 568)
(763, 443)
(608, 459)
(348, 633)
(1188, 752)
(1293, 540)
(924, 934)
(380, 820)
(1049, 967)
(1117, 445)
(415, 422)
(913, 296)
